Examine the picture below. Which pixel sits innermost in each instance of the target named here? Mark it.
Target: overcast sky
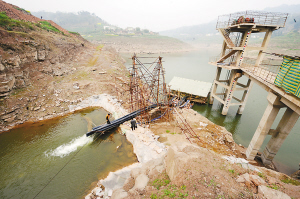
(155, 15)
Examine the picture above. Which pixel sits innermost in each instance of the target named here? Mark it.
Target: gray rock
(109, 193)
(135, 172)
(2, 67)
(76, 86)
(11, 119)
(141, 182)
(119, 194)
(20, 83)
(41, 55)
(296, 175)
(57, 72)
(257, 181)
(240, 179)
(97, 191)
(90, 196)
(37, 108)
(271, 193)
(178, 155)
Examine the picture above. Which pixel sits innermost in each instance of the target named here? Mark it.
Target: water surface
(32, 154)
(194, 65)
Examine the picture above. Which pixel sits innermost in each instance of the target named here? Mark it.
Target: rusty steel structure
(146, 86)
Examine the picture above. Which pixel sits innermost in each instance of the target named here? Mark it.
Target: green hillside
(82, 22)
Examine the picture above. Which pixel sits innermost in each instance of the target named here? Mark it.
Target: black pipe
(125, 118)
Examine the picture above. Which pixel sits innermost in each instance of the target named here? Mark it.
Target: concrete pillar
(264, 125)
(284, 127)
(244, 42)
(245, 97)
(264, 45)
(229, 92)
(214, 88)
(224, 47)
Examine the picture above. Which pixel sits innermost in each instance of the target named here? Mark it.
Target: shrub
(47, 26)
(8, 23)
(291, 181)
(75, 33)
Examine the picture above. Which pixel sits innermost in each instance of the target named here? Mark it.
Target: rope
(62, 168)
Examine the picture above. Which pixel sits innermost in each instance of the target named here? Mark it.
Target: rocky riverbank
(145, 44)
(46, 74)
(170, 166)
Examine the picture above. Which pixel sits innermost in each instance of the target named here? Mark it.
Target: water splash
(70, 147)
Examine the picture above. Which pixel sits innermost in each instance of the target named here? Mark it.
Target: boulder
(141, 182)
(296, 175)
(41, 55)
(269, 193)
(97, 191)
(178, 155)
(2, 67)
(135, 172)
(245, 178)
(119, 194)
(257, 181)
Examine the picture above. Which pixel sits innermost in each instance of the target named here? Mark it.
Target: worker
(107, 118)
(133, 124)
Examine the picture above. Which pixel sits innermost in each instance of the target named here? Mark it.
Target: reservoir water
(32, 154)
(194, 65)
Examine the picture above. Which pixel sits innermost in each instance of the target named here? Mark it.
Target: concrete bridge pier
(279, 134)
(264, 125)
(229, 86)
(284, 127)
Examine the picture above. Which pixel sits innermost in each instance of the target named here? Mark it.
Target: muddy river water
(54, 158)
(32, 154)
(194, 65)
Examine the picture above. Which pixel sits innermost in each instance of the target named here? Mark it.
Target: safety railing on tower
(267, 70)
(255, 17)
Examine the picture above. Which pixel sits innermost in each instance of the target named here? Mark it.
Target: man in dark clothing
(133, 124)
(107, 118)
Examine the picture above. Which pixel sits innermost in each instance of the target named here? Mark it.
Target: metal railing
(266, 71)
(257, 17)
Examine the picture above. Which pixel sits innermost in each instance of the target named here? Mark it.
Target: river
(54, 159)
(58, 152)
(194, 65)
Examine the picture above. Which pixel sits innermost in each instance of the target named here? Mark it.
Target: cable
(62, 168)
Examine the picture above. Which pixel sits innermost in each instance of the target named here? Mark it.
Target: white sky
(155, 15)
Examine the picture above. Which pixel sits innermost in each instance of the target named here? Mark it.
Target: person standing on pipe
(107, 118)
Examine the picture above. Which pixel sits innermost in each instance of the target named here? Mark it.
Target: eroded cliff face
(26, 57)
(22, 54)
(31, 56)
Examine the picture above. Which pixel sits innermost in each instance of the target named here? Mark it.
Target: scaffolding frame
(146, 86)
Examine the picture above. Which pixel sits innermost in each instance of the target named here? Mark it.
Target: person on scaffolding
(133, 124)
(107, 118)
